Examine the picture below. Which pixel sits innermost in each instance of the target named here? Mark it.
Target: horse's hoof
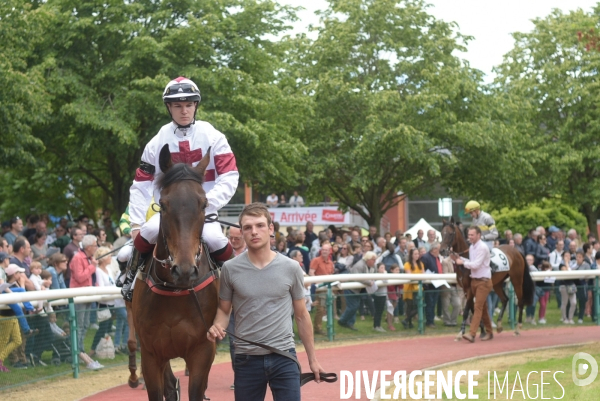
(133, 384)
(517, 333)
(499, 329)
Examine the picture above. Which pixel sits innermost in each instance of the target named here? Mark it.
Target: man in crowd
(552, 239)
(309, 235)
(21, 250)
(531, 244)
(430, 239)
(556, 256)
(296, 200)
(508, 235)
(363, 266)
(519, 243)
(481, 282)
(264, 286)
(419, 241)
(16, 227)
(402, 249)
(572, 237)
(321, 266)
(237, 240)
(75, 245)
(431, 262)
(373, 235)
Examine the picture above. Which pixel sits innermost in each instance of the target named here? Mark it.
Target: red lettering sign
(333, 216)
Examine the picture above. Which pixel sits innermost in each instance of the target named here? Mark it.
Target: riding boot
(127, 291)
(493, 267)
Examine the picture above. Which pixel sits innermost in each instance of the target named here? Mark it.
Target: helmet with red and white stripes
(181, 90)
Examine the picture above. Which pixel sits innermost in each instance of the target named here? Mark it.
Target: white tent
(423, 225)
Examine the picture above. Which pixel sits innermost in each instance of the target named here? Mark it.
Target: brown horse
(453, 241)
(178, 296)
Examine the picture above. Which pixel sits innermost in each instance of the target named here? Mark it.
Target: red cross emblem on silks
(185, 155)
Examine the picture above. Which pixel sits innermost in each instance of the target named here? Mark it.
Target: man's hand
(215, 331)
(316, 368)
(134, 233)
(459, 261)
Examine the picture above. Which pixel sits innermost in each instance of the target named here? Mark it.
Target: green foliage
(545, 213)
(387, 94)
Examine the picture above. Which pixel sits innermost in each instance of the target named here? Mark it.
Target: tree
(556, 75)
(106, 64)
(388, 96)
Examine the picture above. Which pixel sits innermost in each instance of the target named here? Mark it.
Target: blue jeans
(254, 372)
(122, 332)
(348, 318)
(492, 301)
(431, 298)
(16, 308)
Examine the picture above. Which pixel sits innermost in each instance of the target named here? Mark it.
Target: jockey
(484, 221)
(188, 141)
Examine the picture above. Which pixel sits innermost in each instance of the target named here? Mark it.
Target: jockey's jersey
(186, 146)
(487, 225)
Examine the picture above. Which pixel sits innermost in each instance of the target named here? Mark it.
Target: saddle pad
(499, 261)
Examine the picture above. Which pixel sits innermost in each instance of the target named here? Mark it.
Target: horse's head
(449, 237)
(182, 209)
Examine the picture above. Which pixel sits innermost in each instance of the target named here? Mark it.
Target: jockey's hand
(316, 368)
(134, 234)
(215, 332)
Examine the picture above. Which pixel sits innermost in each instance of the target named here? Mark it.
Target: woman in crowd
(379, 301)
(542, 253)
(39, 248)
(568, 292)
(543, 288)
(345, 256)
(394, 295)
(413, 266)
(103, 279)
(281, 246)
(57, 265)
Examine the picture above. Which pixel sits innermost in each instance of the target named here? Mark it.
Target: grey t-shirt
(262, 301)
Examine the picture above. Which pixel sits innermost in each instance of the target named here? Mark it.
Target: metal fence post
(511, 305)
(420, 305)
(74, 345)
(330, 304)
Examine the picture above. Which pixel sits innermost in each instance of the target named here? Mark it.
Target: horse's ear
(452, 219)
(164, 160)
(444, 222)
(201, 167)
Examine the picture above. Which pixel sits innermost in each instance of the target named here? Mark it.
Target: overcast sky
(489, 22)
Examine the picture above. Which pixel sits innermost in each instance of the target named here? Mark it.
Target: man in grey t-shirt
(265, 289)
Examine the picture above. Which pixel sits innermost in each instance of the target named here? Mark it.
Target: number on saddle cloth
(498, 261)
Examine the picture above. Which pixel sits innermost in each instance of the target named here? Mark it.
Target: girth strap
(304, 377)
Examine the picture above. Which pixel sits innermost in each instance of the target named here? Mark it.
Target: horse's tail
(528, 283)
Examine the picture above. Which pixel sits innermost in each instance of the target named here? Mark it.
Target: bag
(105, 348)
(103, 315)
(571, 289)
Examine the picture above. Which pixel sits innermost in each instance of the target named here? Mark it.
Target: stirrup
(127, 291)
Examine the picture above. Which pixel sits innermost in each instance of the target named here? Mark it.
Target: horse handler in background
(265, 288)
(481, 282)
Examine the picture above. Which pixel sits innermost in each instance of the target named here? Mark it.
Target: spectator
(5, 228)
(572, 237)
(568, 292)
(508, 235)
(531, 243)
(321, 266)
(296, 200)
(357, 252)
(272, 200)
(237, 240)
(379, 301)
(298, 240)
(419, 241)
(395, 297)
(74, 246)
(281, 246)
(39, 248)
(103, 279)
(432, 263)
(31, 228)
(365, 265)
(4, 263)
(62, 238)
(389, 258)
(552, 239)
(543, 288)
(380, 245)
(541, 230)
(282, 200)
(57, 265)
(316, 245)
(542, 253)
(582, 290)
(450, 297)
(556, 256)
(83, 266)
(530, 309)
(422, 251)
(100, 233)
(21, 251)
(519, 243)
(373, 234)
(16, 226)
(587, 253)
(368, 246)
(309, 235)
(413, 266)
(4, 247)
(355, 237)
(346, 259)
(430, 239)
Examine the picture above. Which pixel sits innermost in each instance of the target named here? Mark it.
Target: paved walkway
(403, 354)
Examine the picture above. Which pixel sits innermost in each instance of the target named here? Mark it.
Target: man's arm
(305, 331)
(476, 260)
(217, 330)
(227, 175)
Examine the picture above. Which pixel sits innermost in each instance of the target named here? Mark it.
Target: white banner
(319, 215)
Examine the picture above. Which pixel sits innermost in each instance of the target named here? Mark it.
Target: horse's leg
(133, 380)
(154, 369)
(504, 298)
(517, 283)
(463, 325)
(199, 364)
(172, 388)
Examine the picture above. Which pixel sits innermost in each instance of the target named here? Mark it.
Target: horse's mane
(179, 172)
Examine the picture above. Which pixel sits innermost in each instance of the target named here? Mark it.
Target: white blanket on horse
(500, 260)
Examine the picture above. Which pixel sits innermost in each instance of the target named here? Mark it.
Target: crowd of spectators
(35, 258)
